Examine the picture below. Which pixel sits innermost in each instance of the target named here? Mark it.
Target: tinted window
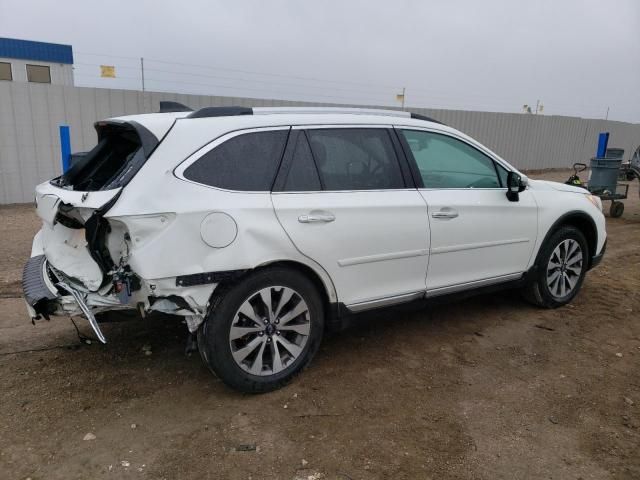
(445, 162)
(246, 162)
(303, 175)
(355, 159)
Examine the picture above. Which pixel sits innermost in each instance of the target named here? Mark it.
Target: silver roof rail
(329, 110)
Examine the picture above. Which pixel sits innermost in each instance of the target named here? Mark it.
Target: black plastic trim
(413, 165)
(168, 106)
(340, 317)
(417, 116)
(220, 112)
(596, 259)
(207, 277)
(562, 220)
(286, 162)
(148, 140)
(405, 162)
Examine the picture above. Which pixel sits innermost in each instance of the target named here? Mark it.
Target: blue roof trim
(37, 51)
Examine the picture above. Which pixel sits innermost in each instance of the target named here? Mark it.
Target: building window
(5, 71)
(38, 74)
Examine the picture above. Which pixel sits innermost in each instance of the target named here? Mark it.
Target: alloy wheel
(564, 268)
(270, 330)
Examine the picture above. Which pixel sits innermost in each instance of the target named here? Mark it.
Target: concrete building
(35, 62)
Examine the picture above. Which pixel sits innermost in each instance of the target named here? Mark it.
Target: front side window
(446, 162)
(38, 74)
(355, 159)
(5, 71)
(246, 162)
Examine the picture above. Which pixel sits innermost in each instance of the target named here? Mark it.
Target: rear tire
(561, 268)
(254, 347)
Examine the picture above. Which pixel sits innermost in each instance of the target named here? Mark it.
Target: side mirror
(515, 184)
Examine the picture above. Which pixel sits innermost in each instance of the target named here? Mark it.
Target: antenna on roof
(167, 106)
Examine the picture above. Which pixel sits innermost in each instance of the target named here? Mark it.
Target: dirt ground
(486, 388)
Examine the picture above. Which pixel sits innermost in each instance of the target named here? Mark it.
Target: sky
(576, 57)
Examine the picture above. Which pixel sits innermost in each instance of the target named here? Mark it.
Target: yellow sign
(399, 97)
(107, 71)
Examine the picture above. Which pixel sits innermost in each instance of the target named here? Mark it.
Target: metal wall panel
(30, 115)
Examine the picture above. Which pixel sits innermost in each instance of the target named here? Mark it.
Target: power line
(250, 72)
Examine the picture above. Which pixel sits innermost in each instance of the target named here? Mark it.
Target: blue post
(65, 147)
(603, 141)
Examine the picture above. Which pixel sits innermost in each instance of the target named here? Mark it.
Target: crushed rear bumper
(45, 294)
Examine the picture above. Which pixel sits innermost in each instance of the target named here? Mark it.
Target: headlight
(595, 200)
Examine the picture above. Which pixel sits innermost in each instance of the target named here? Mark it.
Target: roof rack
(417, 116)
(168, 106)
(220, 112)
(348, 110)
(329, 110)
(233, 111)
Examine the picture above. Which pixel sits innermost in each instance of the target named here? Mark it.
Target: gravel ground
(486, 388)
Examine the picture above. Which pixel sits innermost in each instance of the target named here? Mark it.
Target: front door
(477, 235)
(345, 203)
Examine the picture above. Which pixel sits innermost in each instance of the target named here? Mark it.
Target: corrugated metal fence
(30, 115)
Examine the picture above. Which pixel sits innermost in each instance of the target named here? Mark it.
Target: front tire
(562, 265)
(262, 332)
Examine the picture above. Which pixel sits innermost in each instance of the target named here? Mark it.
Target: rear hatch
(72, 206)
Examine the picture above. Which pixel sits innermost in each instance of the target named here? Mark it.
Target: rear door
(345, 199)
(478, 236)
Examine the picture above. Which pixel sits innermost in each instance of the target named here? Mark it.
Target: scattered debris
(619, 355)
(125, 463)
(544, 327)
(133, 426)
(313, 476)
(628, 401)
(304, 462)
(246, 448)
(89, 436)
(553, 420)
(146, 349)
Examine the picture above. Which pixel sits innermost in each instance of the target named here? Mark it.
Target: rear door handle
(317, 218)
(448, 213)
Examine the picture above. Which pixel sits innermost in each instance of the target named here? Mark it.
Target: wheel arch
(583, 222)
(324, 285)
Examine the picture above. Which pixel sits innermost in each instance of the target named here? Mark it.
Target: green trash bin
(604, 174)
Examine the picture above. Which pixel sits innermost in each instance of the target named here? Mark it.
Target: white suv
(263, 227)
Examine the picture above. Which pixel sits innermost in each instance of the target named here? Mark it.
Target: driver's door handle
(449, 213)
(317, 218)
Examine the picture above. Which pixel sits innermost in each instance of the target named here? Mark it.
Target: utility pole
(142, 72)
(400, 97)
(606, 117)
(537, 105)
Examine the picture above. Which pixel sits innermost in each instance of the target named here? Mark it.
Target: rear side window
(246, 162)
(355, 159)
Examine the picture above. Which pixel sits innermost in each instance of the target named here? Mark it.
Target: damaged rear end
(79, 262)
